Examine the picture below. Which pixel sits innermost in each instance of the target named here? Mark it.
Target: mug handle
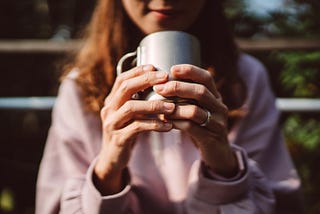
(119, 69)
(123, 59)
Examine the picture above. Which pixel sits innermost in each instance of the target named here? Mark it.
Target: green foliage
(243, 23)
(310, 19)
(305, 133)
(302, 135)
(298, 18)
(301, 73)
(302, 20)
(6, 200)
(298, 75)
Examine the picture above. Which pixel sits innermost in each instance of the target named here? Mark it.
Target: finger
(195, 74)
(188, 112)
(198, 133)
(192, 91)
(131, 86)
(134, 72)
(214, 121)
(134, 109)
(139, 126)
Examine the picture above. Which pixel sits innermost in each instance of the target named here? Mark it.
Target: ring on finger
(207, 121)
(135, 96)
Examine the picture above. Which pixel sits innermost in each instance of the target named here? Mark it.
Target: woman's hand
(123, 119)
(211, 139)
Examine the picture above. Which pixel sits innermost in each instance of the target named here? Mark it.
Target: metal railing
(46, 103)
(247, 45)
(27, 103)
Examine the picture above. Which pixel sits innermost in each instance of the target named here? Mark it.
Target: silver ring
(207, 121)
(135, 96)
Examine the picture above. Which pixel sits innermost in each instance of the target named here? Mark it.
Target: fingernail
(158, 87)
(169, 106)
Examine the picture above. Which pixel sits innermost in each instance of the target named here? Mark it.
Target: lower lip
(162, 15)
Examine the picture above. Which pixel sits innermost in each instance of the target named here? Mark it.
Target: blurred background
(35, 35)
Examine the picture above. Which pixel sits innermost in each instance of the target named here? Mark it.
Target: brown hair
(111, 34)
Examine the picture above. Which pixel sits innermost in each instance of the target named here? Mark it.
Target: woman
(224, 154)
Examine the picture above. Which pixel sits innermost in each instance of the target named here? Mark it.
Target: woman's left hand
(206, 120)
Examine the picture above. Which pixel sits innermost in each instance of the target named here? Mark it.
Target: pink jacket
(165, 174)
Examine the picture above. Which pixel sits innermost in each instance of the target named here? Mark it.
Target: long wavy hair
(110, 34)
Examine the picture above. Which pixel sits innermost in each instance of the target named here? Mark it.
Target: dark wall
(24, 131)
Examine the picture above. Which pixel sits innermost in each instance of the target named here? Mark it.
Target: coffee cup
(163, 50)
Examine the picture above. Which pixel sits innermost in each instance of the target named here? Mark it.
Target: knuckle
(120, 78)
(147, 77)
(103, 113)
(136, 70)
(153, 106)
(120, 139)
(128, 108)
(107, 125)
(220, 127)
(135, 128)
(220, 122)
(200, 90)
(175, 86)
(224, 109)
(124, 87)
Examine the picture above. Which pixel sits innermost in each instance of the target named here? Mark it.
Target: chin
(162, 27)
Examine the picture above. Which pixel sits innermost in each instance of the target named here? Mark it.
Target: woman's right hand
(123, 119)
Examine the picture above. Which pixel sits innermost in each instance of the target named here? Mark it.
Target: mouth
(164, 13)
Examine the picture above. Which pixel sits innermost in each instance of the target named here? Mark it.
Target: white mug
(163, 50)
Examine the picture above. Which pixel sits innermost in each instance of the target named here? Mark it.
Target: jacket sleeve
(250, 194)
(64, 182)
(271, 183)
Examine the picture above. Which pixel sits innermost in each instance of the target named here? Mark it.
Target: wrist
(227, 170)
(108, 182)
(238, 173)
(222, 162)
